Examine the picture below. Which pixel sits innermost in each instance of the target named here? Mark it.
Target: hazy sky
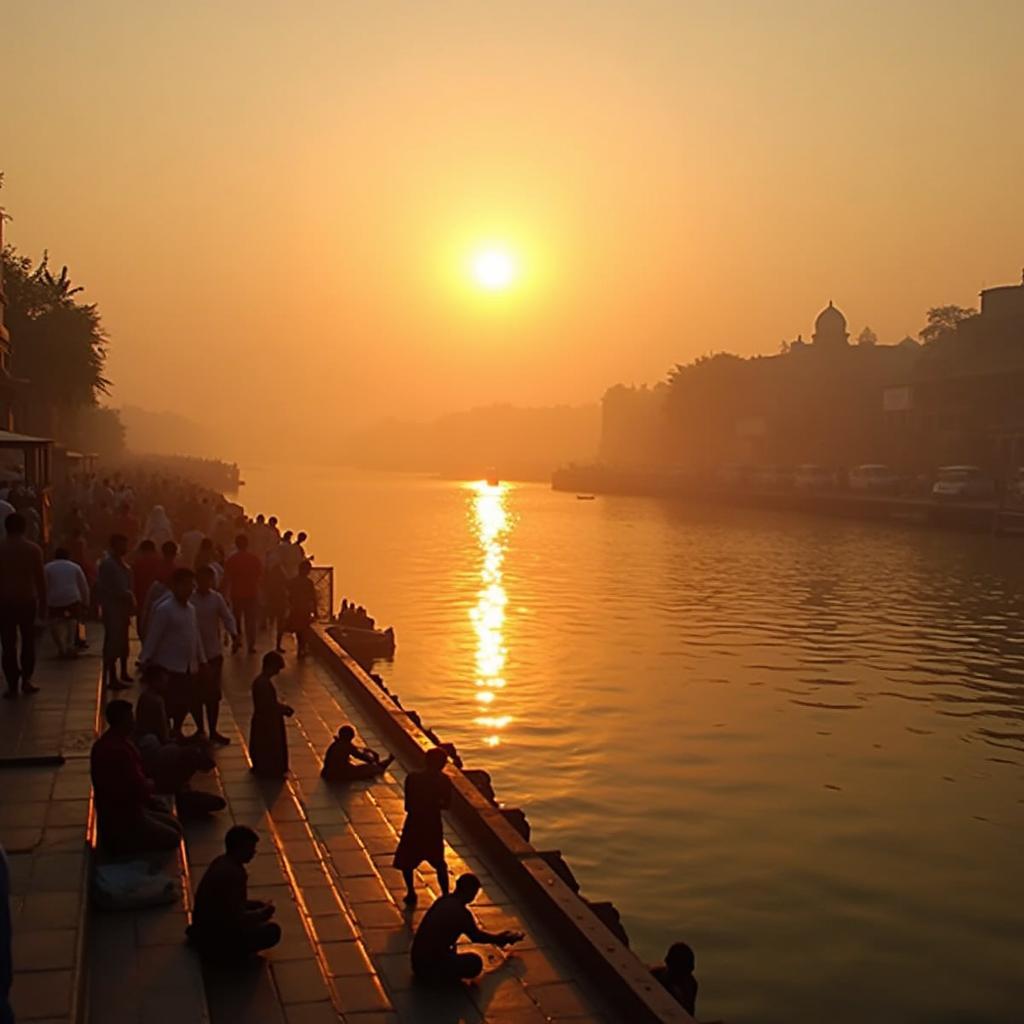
(272, 202)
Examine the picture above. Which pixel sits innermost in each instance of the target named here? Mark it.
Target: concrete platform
(44, 822)
(324, 859)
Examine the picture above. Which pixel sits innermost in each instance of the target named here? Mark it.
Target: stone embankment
(1002, 517)
(590, 933)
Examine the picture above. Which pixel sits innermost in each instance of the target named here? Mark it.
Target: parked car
(874, 478)
(967, 482)
(809, 477)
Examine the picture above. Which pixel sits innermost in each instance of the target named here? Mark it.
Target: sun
(494, 268)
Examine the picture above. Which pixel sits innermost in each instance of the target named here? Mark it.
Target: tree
(942, 320)
(57, 342)
(867, 337)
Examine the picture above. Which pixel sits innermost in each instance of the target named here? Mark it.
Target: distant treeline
(517, 443)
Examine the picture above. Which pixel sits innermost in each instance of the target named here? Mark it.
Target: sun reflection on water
(491, 524)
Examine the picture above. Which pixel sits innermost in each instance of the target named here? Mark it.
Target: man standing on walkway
(242, 573)
(115, 592)
(22, 596)
(212, 612)
(172, 645)
(67, 594)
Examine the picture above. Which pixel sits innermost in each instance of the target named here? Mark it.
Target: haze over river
(796, 743)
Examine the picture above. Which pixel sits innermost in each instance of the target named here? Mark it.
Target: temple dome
(830, 327)
(830, 319)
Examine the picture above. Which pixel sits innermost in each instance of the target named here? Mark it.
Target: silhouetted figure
(172, 643)
(243, 573)
(146, 568)
(22, 597)
(268, 739)
(115, 592)
(158, 526)
(338, 766)
(130, 820)
(427, 794)
(211, 612)
(67, 594)
(435, 959)
(227, 926)
(275, 591)
(676, 975)
(302, 606)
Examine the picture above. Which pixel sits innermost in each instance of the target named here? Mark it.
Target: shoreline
(991, 517)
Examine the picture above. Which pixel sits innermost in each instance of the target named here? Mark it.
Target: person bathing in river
(427, 794)
(268, 739)
(338, 766)
(676, 975)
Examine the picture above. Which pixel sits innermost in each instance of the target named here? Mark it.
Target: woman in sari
(158, 527)
(268, 739)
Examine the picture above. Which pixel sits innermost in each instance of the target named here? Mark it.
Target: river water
(796, 743)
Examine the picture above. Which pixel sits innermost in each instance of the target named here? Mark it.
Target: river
(796, 743)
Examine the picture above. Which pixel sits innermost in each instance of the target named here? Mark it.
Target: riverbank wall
(971, 516)
(611, 967)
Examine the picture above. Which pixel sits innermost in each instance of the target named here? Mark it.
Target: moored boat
(379, 643)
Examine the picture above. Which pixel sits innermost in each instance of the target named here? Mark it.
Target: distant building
(830, 329)
(8, 387)
(966, 392)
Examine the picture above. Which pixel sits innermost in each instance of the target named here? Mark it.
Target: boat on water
(585, 497)
(359, 642)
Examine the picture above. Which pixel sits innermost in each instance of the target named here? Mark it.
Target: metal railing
(323, 579)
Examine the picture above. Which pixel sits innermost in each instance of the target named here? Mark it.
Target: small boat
(378, 643)
(584, 497)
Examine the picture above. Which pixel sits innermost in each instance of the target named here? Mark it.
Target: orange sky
(268, 199)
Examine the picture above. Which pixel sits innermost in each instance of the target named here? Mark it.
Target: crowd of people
(197, 577)
(120, 543)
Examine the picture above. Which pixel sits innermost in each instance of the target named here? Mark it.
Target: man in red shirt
(242, 574)
(126, 809)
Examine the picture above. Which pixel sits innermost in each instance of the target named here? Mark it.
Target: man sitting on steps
(227, 926)
(129, 816)
(435, 960)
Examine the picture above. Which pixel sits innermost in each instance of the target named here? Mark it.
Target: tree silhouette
(57, 342)
(942, 320)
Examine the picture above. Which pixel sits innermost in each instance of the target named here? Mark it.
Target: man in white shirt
(211, 612)
(172, 644)
(67, 596)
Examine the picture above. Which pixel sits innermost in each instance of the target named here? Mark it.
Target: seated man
(434, 958)
(338, 766)
(676, 975)
(226, 925)
(171, 765)
(131, 820)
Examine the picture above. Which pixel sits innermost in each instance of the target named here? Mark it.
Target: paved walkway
(325, 862)
(324, 859)
(44, 816)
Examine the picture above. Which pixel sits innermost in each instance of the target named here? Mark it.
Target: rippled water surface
(796, 743)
